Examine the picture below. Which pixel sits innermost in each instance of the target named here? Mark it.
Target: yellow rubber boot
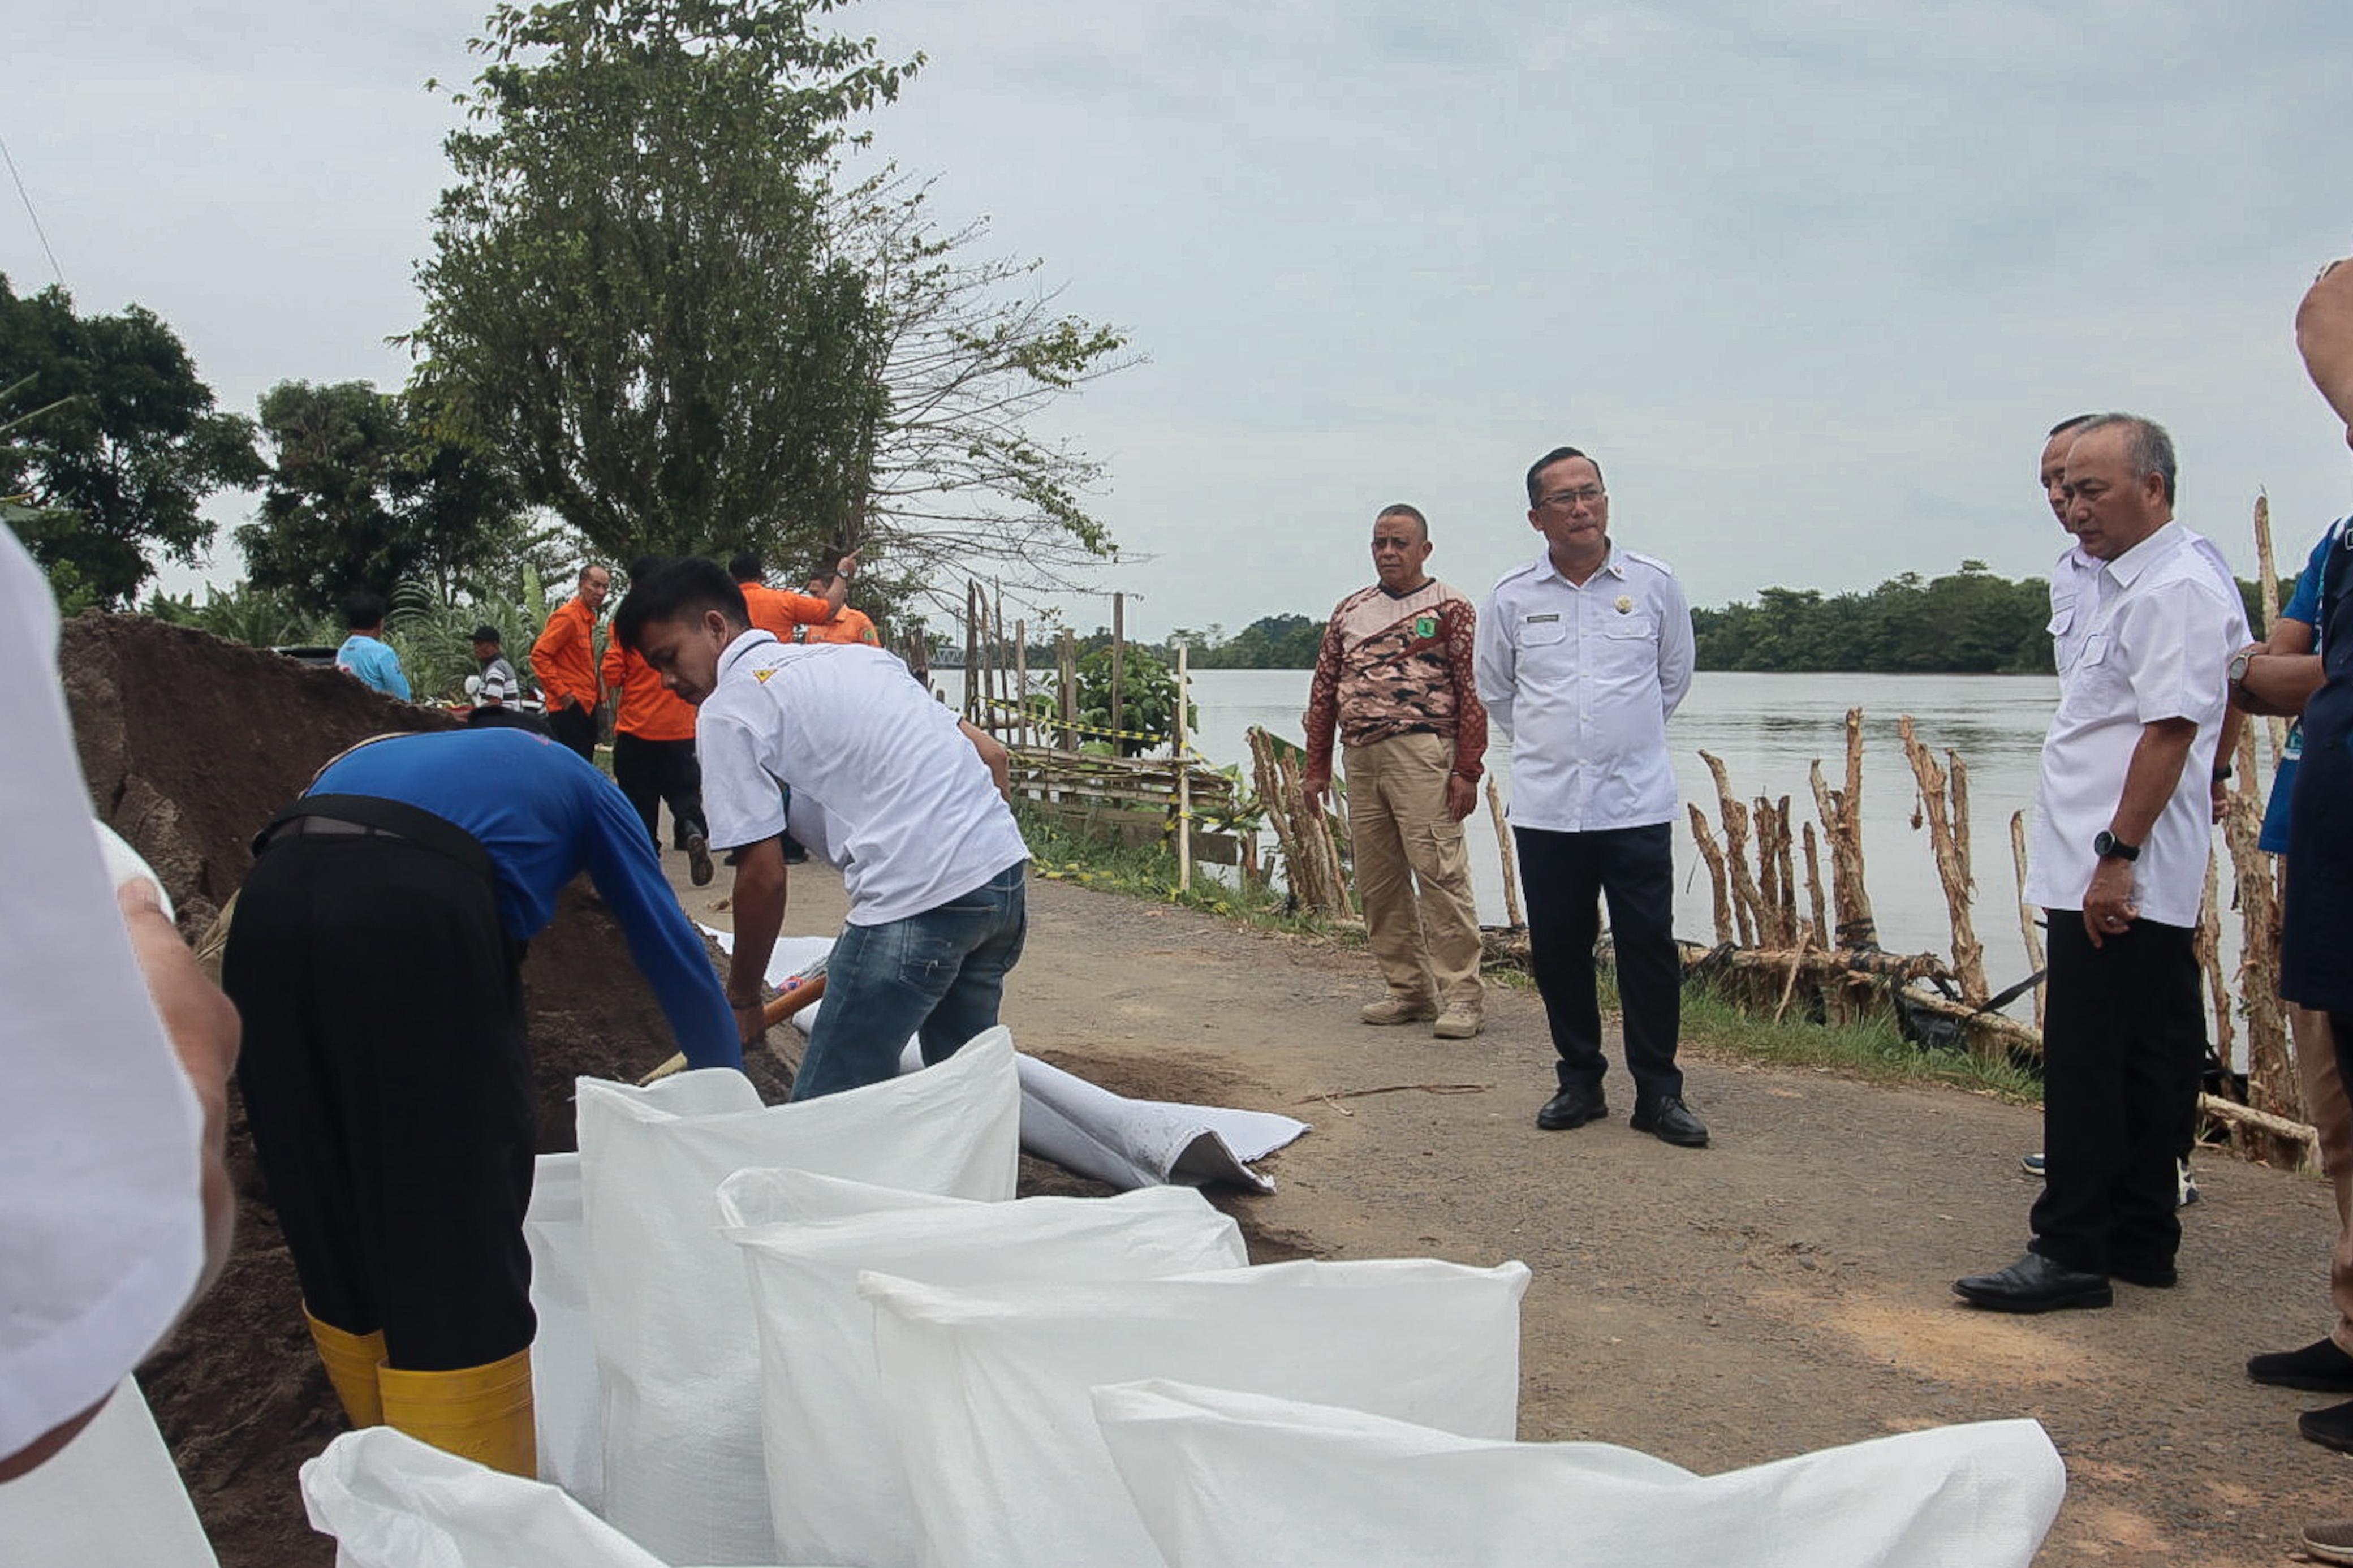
(352, 1361)
(479, 1412)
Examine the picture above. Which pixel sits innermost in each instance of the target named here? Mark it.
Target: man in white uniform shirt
(2122, 831)
(1583, 654)
(885, 784)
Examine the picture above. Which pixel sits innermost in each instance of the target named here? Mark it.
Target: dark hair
(1400, 509)
(588, 566)
(2146, 446)
(643, 565)
(486, 633)
(1559, 455)
(2073, 422)
(744, 566)
(678, 590)
(363, 609)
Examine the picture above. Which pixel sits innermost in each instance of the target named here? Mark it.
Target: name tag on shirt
(1534, 620)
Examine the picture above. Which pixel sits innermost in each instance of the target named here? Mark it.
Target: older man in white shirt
(1583, 654)
(2122, 831)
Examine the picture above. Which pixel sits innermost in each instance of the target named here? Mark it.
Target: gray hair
(2146, 446)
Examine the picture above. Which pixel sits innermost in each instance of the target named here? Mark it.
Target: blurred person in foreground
(118, 1207)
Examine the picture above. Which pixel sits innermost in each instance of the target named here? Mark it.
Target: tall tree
(631, 290)
(128, 442)
(366, 489)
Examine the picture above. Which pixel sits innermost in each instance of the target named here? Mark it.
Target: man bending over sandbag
(885, 784)
(377, 954)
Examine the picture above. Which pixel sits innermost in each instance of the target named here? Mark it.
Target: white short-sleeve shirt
(101, 1222)
(2076, 586)
(2156, 646)
(1583, 679)
(884, 782)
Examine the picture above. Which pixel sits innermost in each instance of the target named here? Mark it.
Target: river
(1768, 729)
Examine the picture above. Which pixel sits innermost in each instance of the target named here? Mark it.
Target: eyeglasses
(1564, 500)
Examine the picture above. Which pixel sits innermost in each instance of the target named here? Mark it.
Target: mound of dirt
(189, 745)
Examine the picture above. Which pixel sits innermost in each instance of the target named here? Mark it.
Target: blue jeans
(937, 976)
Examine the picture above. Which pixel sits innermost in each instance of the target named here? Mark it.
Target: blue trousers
(937, 976)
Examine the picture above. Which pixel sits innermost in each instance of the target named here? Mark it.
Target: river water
(1768, 729)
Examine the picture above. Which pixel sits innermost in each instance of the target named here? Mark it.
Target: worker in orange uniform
(781, 613)
(653, 754)
(845, 624)
(563, 661)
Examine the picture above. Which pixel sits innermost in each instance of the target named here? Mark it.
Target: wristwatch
(2108, 846)
(2239, 662)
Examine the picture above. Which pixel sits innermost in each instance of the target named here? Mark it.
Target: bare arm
(993, 754)
(759, 908)
(2323, 335)
(2150, 779)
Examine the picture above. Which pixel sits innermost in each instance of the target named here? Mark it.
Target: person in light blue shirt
(364, 653)
(376, 957)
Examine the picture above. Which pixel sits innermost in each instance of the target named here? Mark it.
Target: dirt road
(1785, 1290)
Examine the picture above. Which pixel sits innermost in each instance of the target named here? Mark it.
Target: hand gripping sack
(989, 1390)
(1225, 1480)
(110, 1499)
(836, 1487)
(676, 1347)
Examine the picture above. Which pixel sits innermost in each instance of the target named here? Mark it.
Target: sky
(1809, 279)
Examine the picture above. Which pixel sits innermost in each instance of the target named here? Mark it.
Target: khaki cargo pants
(1413, 875)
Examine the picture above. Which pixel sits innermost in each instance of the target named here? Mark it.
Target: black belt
(368, 816)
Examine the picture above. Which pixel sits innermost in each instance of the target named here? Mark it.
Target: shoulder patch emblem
(1425, 627)
(1625, 604)
(761, 676)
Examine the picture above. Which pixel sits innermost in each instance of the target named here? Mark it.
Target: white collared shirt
(2075, 587)
(1583, 680)
(2158, 635)
(885, 785)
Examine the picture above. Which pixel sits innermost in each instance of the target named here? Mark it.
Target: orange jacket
(648, 708)
(773, 610)
(564, 659)
(850, 626)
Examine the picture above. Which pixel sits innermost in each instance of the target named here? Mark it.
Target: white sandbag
(110, 1498)
(676, 1348)
(1085, 1127)
(988, 1390)
(1226, 1480)
(567, 1396)
(800, 1197)
(391, 1501)
(835, 1484)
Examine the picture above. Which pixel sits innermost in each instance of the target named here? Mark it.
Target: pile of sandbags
(828, 1333)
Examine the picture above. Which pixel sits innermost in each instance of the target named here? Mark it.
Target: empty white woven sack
(676, 1348)
(988, 1390)
(565, 1396)
(837, 1487)
(110, 1499)
(1225, 1480)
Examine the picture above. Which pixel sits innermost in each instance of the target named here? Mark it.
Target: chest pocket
(1634, 627)
(1542, 634)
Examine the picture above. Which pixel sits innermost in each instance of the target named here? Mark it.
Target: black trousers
(576, 728)
(652, 772)
(388, 1087)
(1564, 875)
(2124, 1038)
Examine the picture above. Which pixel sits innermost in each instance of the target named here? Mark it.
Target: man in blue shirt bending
(364, 653)
(377, 956)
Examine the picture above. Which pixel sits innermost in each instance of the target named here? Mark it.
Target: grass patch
(1872, 1050)
(1058, 854)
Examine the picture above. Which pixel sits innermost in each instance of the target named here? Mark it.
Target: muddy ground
(1785, 1290)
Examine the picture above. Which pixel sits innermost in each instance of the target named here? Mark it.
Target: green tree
(126, 447)
(632, 291)
(362, 492)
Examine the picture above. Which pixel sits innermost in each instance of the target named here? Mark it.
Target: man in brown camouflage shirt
(1395, 677)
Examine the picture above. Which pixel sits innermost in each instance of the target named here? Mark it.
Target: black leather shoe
(1674, 1122)
(2331, 1428)
(2321, 1367)
(2035, 1284)
(2147, 1275)
(1572, 1108)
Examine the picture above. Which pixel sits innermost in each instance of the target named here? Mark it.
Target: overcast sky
(1809, 279)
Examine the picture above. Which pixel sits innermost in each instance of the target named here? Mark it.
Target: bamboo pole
(2267, 564)
(2026, 926)
(1969, 954)
(996, 666)
(1184, 775)
(2207, 944)
(1782, 846)
(2299, 1135)
(2273, 1082)
(1735, 817)
(1713, 853)
(1842, 826)
(1118, 661)
(1503, 849)
(1066, 660)
(971, 648)
(1796, 961)
(1768, 875)
(1814, 883)
(1021, 680)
